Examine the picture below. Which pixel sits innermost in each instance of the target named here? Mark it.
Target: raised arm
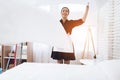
(86, 13)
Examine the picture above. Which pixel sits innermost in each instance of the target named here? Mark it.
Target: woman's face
(65, 12)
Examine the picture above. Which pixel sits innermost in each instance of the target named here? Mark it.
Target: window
(108, 31)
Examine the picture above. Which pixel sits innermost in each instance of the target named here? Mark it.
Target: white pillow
(111, 68)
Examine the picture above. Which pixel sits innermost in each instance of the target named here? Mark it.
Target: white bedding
(106, 70)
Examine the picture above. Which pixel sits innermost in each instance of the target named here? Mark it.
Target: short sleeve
(75, 23)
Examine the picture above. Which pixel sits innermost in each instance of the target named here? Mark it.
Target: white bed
(105, 70)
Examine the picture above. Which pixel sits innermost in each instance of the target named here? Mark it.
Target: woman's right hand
(88, 5)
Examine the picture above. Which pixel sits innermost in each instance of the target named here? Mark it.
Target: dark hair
(67, 8)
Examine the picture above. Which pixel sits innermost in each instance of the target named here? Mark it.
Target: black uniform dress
(68, 26)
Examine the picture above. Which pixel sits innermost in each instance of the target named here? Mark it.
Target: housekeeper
(64, 57)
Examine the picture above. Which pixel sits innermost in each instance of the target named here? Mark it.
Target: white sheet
(42, 53)
(49, 71)
(21, 22)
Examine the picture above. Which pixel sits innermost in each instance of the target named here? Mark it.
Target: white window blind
(116, 30)
(109, 30)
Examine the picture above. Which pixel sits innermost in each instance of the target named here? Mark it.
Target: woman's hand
(86, 13)
(87, 5)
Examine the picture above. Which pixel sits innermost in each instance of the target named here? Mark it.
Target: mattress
(105, 70)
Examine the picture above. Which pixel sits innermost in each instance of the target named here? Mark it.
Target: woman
(68, 26)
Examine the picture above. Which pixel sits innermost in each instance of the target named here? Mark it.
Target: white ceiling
(98, 3)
